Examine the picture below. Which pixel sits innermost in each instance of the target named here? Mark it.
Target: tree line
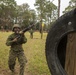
(46, 12)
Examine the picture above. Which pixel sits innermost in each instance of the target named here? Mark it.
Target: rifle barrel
(25, 29)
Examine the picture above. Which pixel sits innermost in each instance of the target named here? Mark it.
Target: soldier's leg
(32, 35)
(22, 61)
(12, 60)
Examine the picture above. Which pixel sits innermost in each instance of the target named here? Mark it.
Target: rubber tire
(60, 29)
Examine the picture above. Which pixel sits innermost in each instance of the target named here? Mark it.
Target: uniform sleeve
(24, 39)
(9, 41)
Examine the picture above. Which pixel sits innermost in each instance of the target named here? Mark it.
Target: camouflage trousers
(12, 61)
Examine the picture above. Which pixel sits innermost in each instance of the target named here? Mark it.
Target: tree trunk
(59, 8)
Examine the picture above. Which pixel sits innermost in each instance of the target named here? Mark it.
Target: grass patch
(34, 50)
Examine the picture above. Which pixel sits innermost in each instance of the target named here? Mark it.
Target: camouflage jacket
(16, 46)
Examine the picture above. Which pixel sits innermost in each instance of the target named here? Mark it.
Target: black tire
(56, 42)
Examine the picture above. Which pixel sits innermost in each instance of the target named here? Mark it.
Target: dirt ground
(8, 72)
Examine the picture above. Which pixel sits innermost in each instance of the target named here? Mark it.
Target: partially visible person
(31, 33)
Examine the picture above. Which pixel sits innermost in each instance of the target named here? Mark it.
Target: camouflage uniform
(31, 33)
(16, 52)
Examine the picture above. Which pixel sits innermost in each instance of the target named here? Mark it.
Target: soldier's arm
(9, 41)
(24, 39)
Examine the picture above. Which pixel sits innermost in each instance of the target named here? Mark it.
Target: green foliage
(25, 15)
(47, 11)
(7, 11)
(40, 6)
(33, 15)
(12, 13)
(51, 11)
(72, 5)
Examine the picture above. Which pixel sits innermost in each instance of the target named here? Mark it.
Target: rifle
(24, 30)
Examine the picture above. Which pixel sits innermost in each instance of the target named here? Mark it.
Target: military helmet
(16, 25)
